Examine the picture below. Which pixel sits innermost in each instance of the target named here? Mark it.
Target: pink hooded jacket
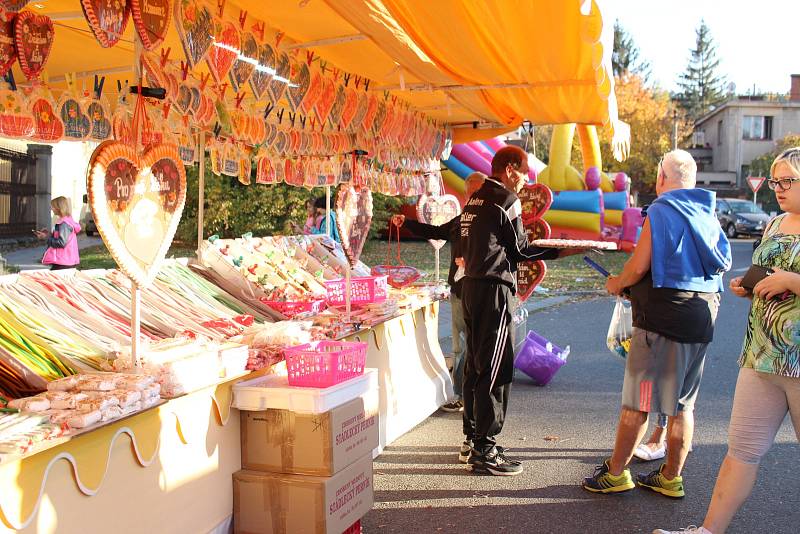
(62, 245)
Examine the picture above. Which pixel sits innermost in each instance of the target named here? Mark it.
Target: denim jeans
(459, 333)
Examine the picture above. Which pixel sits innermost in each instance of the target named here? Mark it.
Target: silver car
(741, 217)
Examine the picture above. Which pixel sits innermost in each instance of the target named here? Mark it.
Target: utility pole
(674, 129)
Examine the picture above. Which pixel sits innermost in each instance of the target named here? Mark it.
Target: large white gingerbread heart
(353, 218)
(437, 210)
(137, 203)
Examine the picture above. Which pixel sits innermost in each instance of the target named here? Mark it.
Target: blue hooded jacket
(690, 251)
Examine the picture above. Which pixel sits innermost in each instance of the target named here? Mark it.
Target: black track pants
(489, 365)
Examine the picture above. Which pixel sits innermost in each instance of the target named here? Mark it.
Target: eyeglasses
(784, 183)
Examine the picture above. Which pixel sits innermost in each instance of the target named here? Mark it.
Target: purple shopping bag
(540, 359)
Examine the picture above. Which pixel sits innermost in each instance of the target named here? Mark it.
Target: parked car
(740, 217)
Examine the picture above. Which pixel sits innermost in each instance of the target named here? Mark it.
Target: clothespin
(9, 77)
(309, 57)
(323, 66)
(278, 38)
(303, 121)
(394, 99)
(336, 73)
(69, 77)
(386, 95)
(347, 77)
(242, 17)
(292, 117)
(366, 84)
(280, 115)
(204, 80)
(313, 123)
(220, 7)
(217, 129)
(358, 81)
(165, 109)
(239, 97)
(99, 82)
(222, 90)
(184, 70)
(258, 29)
(268, 109)
(165, 56)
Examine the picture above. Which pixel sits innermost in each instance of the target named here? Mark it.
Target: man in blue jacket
(675, 278)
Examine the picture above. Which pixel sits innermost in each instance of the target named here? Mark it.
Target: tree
(625, 56)
(701, 88)
(649, 112)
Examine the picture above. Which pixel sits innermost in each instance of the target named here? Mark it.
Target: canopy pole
(201, 190)
(135, 324)
(328, 210)
(437, 264)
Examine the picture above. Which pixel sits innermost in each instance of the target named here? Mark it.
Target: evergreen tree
(701, 88)
(625, 56)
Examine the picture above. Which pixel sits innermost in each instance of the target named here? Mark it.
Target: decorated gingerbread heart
(327, 95)
(398, 276)
(195, 25)
(47, 125)
(536, 199)
(16, 120)
(136, 203)
(353, 219)
(315, 86)
(242, 70)
(529, 275)
(8, 48)
(151, 20)
(33, 35)
(259, 80)
(224, 50)
(301, 81)
(13, 6)
(107, 19)
(99, 116)
(277, 84)
(437, 210)
(77, 125)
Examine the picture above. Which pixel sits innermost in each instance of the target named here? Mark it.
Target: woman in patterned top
(769, 379)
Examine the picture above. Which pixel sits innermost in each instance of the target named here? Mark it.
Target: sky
(758, 42)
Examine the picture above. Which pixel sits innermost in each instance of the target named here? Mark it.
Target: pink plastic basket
(363, 290)
(291, 309)
(325, 363)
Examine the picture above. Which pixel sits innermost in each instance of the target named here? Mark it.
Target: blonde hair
(679, 167)
(791, 157)
(61, 206)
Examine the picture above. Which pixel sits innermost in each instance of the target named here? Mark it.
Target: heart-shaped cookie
(195, 25)
(222, 55)
(151, 20)
(529, 275)
(353, 219)
(301, 81)
(107, 19)
(15, 118)
(538, 229)
(259, 80)
(327, 96)
(242, 70)
(183, 101)
(312, 95)
(47, 126)
(437, 210)
(362, 108)
(98, 115)
(376, 113)
(77, 125)
(33, 35)
(13, 6)
(398, 276)
(536, 199)
(8, 48)
(346, 171)
(278, 82)
(335, 115)
(265, 170)
(136, 204)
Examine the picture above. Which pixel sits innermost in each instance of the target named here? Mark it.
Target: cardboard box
(282, 441)
(277, 503)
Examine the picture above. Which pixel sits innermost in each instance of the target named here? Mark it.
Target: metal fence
(17, 193)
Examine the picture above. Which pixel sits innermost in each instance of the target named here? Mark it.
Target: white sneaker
(465, 452)
(643, 452)
(691, 529)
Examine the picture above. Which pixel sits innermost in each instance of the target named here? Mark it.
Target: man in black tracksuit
(492, 242)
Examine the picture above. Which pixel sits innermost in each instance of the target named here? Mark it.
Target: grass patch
(99, 258)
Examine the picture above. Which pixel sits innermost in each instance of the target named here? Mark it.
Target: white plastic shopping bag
(620, 330)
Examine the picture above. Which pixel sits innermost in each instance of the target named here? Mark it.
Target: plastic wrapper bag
(620, 330)
(540, 359)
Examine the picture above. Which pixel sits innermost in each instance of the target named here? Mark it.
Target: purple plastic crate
(537, 362)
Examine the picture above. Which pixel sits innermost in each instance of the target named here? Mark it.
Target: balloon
(620, 181)
(592, 178)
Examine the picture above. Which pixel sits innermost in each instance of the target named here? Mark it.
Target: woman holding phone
(768, 386)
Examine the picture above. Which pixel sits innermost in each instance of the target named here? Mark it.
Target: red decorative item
(195, 25)
(15, 118)
(277, 87)
(47, 124)
(301, 82)
(221, 56)
(315, 87)
(151, 20)
(259, 79)
(536, 199)
(529, 275)
(243, 70)
(107, 19)
(34, 37)
(8, 49)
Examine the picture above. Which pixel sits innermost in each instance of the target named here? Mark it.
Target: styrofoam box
(274, 392)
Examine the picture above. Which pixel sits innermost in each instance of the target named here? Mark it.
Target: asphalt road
(420, 486)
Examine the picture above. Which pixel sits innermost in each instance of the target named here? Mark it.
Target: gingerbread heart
(195, 25)
(33, 35)
(335, 114)
(243, 70)
(353, 219)
(529, 275)
(224, 50)
(183, 100)
(376, 113)
(315, 86)
(324, 104)
(47, 125)
(437, 210)
(278, 82)
(8, 48)
(281, 142)
(300, 82)
(136, 203)
(362, 108)
(151, 20)
(345, 171)
(536, 199)
(107, 19)
(13, 6)
(98, 115)
(265, 170)
(398, 276)
(259, 80)
(538, 229)
(15, 118)
(77, 125)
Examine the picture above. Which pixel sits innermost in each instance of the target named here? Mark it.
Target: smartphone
(754, 275)
(596, 266)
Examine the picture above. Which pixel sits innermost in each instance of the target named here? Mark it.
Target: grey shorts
(661, 375)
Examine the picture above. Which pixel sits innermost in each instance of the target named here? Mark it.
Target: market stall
(120, 383)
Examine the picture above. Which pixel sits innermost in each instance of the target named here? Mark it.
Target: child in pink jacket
(62, 243)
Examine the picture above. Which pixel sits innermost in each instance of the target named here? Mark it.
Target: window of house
(756, 127)
(719, 133)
